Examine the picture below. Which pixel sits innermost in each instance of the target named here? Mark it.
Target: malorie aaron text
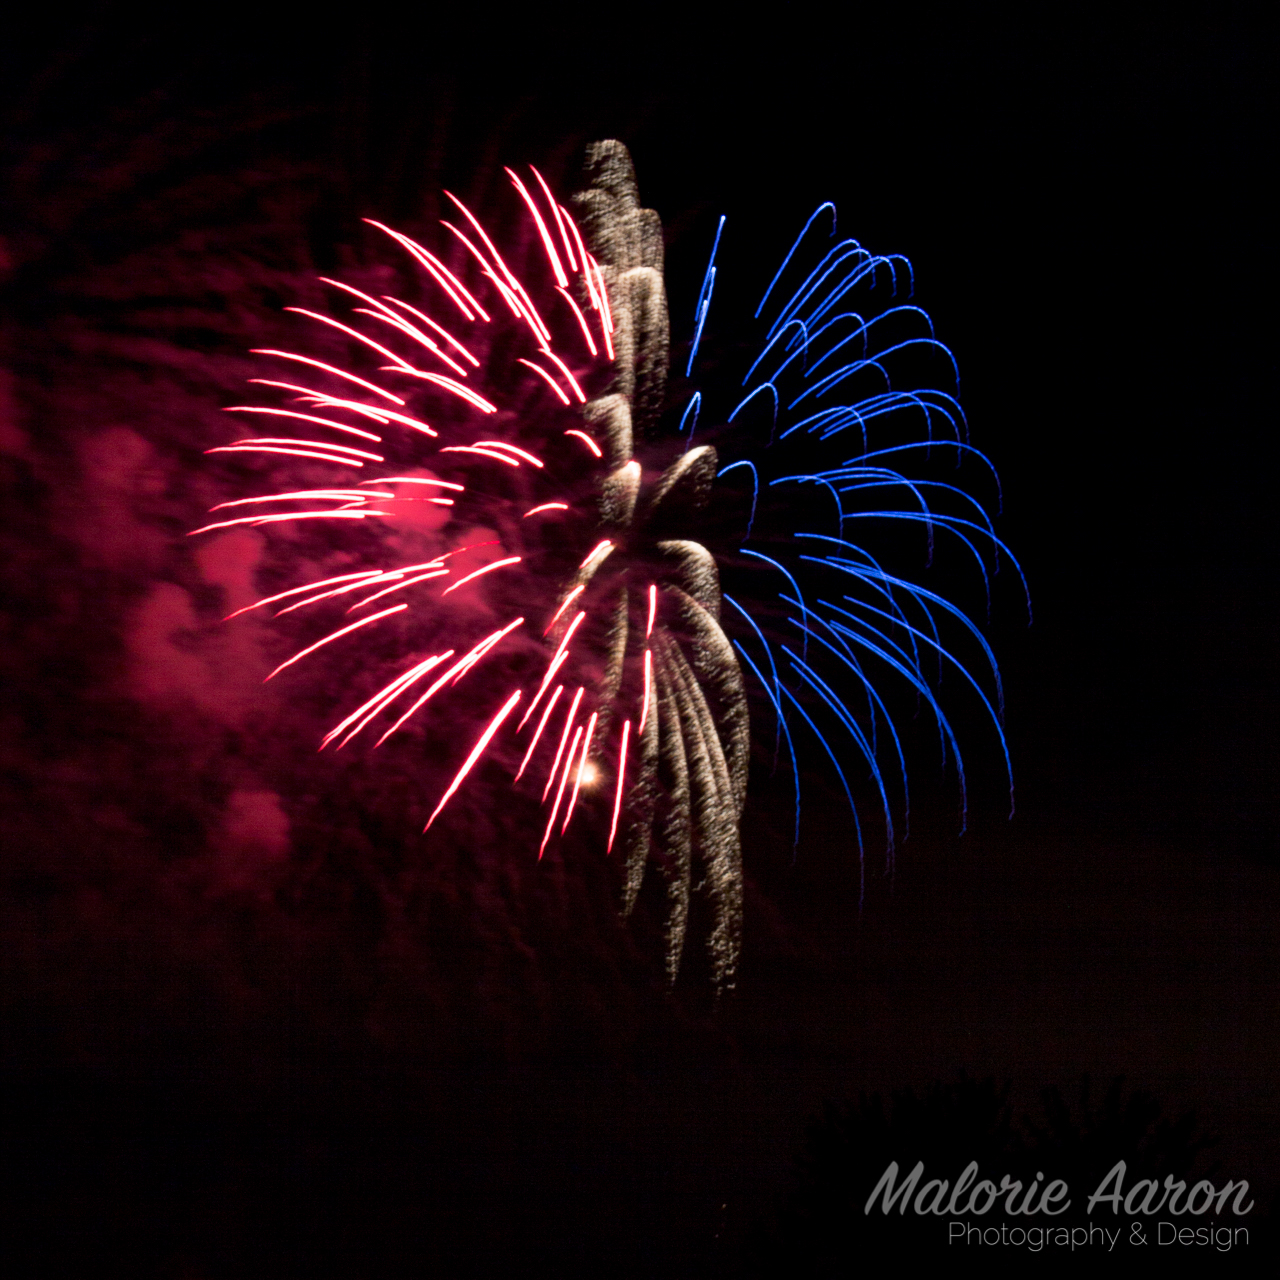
(969, 1196)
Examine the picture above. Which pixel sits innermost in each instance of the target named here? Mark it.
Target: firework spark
(516, 409)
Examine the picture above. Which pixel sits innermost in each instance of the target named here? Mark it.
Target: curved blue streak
(782, 722)
(804, 609)
(844, 349)
(704, 299)
(694, 405)
(867, 748)
(791, 252)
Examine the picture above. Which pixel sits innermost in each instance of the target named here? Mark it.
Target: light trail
(555, 808)
(568, 600)
(477, 751)
(439, 272)
(380, 699)
(622, 775)
(306, 417)
(537, 733)
(364, 622)
(564, 738)
(488, 568)
(278, 517)
(648, 684)
(587, 440)
(546, 377)
(294, 453)
(328, 368)
(455, 672)
(582, 765)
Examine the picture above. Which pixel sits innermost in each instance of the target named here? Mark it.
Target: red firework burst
(503, 475)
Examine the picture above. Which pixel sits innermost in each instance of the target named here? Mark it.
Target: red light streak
(606, 314)
(488, 244)
(438, 271)
(586, 439)
(502, 444)
(597, 553)
(542, 724)
(328, 368)
(582, 765)
(403, 365)
(653, 609)
(391, 575)
(310, 586)
(568, 635)
(322, 399)
(582, 320)
(484, 453)
(455, 672)
(573, 382)
(364, 622)
(551, 675)
(556, 664)
(497, 564)
(507, 296)
(555, 211)
(482, 648)
(532, 315)
(442, 484)
(564, 737)
(380, 699)
(622, 773)
(288, 515)
(591, 289)
(385, 415)
(551, 382)
(317, 444)
(477, 751)
(397, 586)
(471, 546)
(449, 385)
(606, 310)
(398, 322)
(439, 328)
(648, 680)
(568, 600)
(339, 495)
(306, 417)
(355, 293)
(339, 591)
(546, 506)
(567, 219)
(560, 793)
(387, 316)
(552, 256)
(297, 453)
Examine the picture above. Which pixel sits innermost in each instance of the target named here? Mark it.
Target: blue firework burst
(849, 449)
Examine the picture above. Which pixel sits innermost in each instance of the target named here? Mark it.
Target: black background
(1082, 199)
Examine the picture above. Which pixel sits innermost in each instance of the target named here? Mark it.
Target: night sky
(255, 1025)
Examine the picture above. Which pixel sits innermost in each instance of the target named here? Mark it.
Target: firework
(522, 532)
(848, 438)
